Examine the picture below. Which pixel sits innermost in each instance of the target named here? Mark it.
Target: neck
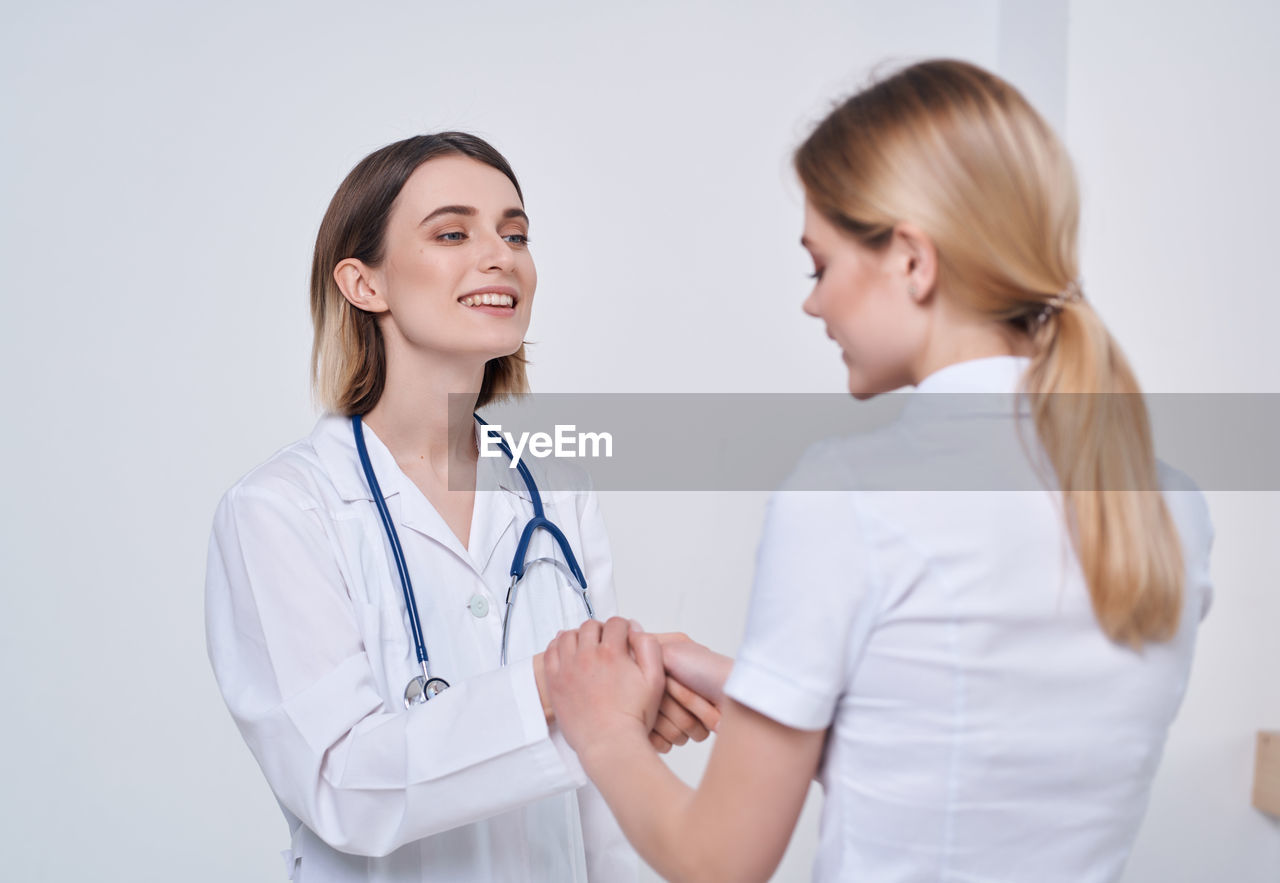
(954, 338)
(425, 409)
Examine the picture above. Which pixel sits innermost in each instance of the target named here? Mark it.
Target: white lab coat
(310, 645)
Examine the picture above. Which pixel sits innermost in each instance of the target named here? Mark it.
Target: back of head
(960, 153)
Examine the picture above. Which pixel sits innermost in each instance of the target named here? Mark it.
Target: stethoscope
(422, 687)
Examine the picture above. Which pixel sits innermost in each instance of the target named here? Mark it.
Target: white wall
(165, 168)
(1171, 119)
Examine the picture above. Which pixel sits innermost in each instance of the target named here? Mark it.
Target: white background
(165, 167)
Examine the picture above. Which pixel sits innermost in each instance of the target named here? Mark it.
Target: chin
(859, 388)
(863, 388)
(496, 349)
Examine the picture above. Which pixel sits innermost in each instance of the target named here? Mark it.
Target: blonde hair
(960, 153)
(348, 356)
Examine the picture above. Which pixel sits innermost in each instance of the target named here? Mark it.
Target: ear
(360, 285)
(916, 259)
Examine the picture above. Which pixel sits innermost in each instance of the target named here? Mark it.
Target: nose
(497, 255)
(810, 305)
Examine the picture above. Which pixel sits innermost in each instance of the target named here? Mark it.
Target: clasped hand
(612, 681)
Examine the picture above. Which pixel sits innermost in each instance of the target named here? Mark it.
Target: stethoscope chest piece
(422, 688)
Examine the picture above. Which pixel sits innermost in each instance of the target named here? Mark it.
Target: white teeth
(488, 298)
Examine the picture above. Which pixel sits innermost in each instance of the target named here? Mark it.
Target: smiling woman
(421, 291)
(412, 222)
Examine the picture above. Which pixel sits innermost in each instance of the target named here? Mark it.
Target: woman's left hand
(599, 693)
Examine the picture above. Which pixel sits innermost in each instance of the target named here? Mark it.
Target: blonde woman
(362, 620)
(982, 681)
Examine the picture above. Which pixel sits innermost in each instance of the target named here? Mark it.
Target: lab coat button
(479, 605)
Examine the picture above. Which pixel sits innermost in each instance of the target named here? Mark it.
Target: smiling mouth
(488, 299)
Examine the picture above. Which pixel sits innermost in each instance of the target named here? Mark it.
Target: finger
(661, 744)
(589, 633)
(671, 637)
(567, 645)
(615, 633)
(649, 658)
(665, 728)
(633, 637)
(551, 660)
(696, 704)
(681, 718)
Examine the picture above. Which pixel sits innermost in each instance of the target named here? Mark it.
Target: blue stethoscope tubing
(423, 687)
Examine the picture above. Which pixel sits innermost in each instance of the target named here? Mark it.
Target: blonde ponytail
(1093, 425)
(959, 152)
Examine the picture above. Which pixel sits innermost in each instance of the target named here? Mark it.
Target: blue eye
(517, 238)
(449, 237)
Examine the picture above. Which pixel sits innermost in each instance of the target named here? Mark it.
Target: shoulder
(816, 506)
(1188, 507)
(293, 476)
(1185, 499)
(841, 463)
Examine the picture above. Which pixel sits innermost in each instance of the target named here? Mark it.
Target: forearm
(606, 682)
(736, 825)
(653, 807)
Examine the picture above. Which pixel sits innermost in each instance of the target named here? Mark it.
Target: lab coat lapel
(494, 512)
(417, 514)
(410, 507)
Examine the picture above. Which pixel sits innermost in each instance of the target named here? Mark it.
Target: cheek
(528, 275)
(876, 339)
(422, 272)
(850, 312)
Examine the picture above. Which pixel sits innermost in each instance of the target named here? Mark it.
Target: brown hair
(348, 359)
(959, 152)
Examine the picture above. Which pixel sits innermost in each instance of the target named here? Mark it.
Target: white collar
(335, 444)
(981, 386)
(994, 374)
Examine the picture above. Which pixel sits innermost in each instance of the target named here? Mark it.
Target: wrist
(611, 748)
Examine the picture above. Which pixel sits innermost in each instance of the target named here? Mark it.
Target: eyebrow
(470, 211)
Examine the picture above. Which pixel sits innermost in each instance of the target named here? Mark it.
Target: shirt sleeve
(288, 656)
(811, 603)
(609, 855)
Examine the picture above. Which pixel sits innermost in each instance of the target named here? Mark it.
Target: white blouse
(983, 728)
(310, 644)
